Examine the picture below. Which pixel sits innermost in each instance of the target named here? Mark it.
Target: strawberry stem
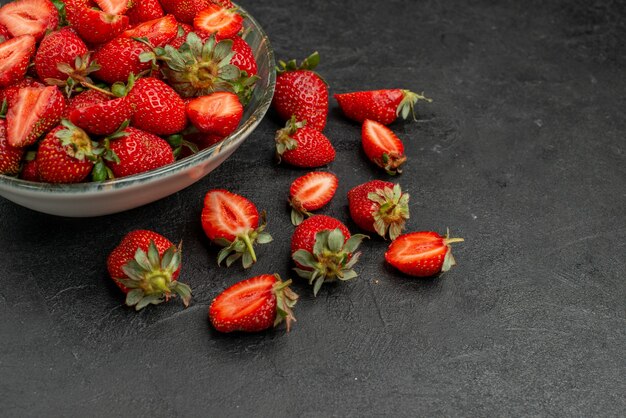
(452, 240)
(94, 87)
(248, 242)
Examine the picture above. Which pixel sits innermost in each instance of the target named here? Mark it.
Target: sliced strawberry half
(29, 17)
(218, 113)
(383, 147)
(311, 192)
(114, 7)
(157, 31)
(225, 23)
(15, 54)
(5, 35)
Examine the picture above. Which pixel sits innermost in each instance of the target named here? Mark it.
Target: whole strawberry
(243, 56)
(158, 108)
(324, 251)
(302, 93)
(311, 192)
(138, 151)
(254, 305)
(379, 206)
(98, 113)
(145, 266)
(15, 55)
(302, 146)
(144, 10)
(94, 26)
(382, 106)
(422, 254)
(232, 221)
(10, 157)
(119, 58)
(383, 147)
(60, 47)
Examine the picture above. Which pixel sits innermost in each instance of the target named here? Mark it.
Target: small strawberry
(324, 251)
(29, 167)
(379, 206)
(382, 106)
(302, 146)
(301, 92)
(218, 113)
(422, 254)
(253, 305)
(157, 32)
(158, 108)
(98, 114)
(383, 147)
(185, 10)
(144, 10)
(94, 26)
(15, 54)
(311, 192)
(138, 151)
(10, 157)
(65, 155)
(119, 58)
(32, 112)
(29, 17)
(5, 35)
(114, 7)
(61, 47)
(224, 22)
(232, 221)
(145, 266)
(244, 56)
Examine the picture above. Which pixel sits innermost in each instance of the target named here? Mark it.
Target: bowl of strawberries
(106, 107)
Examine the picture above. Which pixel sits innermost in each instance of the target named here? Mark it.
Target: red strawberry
(5, 35)
(198, 140)
(301, 92)
(422, 254)
(10, 157)
(145, 10)
(100, 117)
(119, 58)
(232, 221)
(29, 168)
(218, 114)
(15, 54)
(324, 251)
(185, 10)
(158, 31)
(94, 26)
(302, 146)
(58, 47)
(29, 17)
(181, 35)
(114, 7)
(311, 192)
(145, 266)
(158, 108)
(65, 155)
(33, 111)
(139, 151)
(253, 305)
(382, 106)
(382, 147)
(379, 206)
(10, 93)
(224, 22)
(244, 57)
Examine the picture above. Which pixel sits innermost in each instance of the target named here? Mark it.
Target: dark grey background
(521, 153)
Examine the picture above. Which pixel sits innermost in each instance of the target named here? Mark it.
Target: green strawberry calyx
(391, 211)
(284, 137)
(150, 277)
(407, 105)
(333, 258)
(391, 162)
(243, 246)
(448, 260)
(286, 299)
(308, 64)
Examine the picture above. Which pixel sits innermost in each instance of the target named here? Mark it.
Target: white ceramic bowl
(94, 199)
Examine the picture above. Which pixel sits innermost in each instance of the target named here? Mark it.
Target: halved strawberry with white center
(15, 54)
(253, 305)
(382, 146)
(114, 7)
(311, 192)
(157, 31)
(218, 113)
(223, 22)
(232, 221)
(29, 17)
(422, 254)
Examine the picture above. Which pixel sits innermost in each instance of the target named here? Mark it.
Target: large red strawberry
(10, 157)
(157, 31)
(186, 10)
(158, 108)
(253, 305)
(324, 251)
(144, 10)
(145, 266)
(311, 192)
(65, 155)
(61, 47)
(99, 114)
(119, 58)
(302, 146)
(379, 206)
(302, 93)
(382, 147)
(15, 54)
(138, 151)
(222, 21)
(382, 106)
(244, 56)
(29, 17)
(232, 221)
(94, 26)
(32, 112)
(114, 7)
(422, 254)
(218, 114)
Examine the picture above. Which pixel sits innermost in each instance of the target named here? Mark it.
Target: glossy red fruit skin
(44, 8)
(304, 94)
(29, 171)
(178, 41)
(158, 108)
(10, 157)
(144, 10)
(314, 149)
(126, 249)
(304, 235)
(94, 26)
(139, 152)
(9, 93)
(361, 207)
(118, 58)
(214, 231)
(15, 74)
(244, 57)
(380, 105)
(102, 118)
(55, 165)
(200, 139)
(58, 47)
(86, 98)
(216, 124)
(186, 10)
(158, 31)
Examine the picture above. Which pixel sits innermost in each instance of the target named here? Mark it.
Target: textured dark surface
(522, 153)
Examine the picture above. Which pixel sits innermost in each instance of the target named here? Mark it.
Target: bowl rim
(233, 140)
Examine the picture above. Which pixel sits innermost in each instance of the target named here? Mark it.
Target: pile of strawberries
(100, 89)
